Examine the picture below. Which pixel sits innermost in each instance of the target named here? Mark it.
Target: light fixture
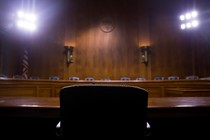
(26, 21)
(144, 50)
(189, 20)
(69, 54)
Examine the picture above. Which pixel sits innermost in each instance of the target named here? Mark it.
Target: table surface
(156, 102)
(157, 107)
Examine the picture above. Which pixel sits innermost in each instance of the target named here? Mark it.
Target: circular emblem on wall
(107, 25)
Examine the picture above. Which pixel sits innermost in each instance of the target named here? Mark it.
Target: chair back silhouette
(205, 78)
(73, 78)
(3, 75)
(125, 78)
(54, 78)
(140, 78)
(89, 78)
(101, 112)
(158, 78)
(192, 77)
(173, 77)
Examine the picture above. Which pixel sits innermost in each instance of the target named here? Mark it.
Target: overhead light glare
(188, 25)
(26, 21)
(188, 16)
(194, 23)
(189, 20)
(194, 14)
(182, 17)
(183, 26)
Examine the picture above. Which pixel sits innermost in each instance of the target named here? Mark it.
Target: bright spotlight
(189, 25)
(182, 17)
(183, 26)
(194, 14)
(20, 23)
(188, 16)
(194, 23)
(189, 20)
(20, 14)
(26, 21)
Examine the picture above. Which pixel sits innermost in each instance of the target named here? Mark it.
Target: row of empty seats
(191, 77)
(106, 79)
(124, 78)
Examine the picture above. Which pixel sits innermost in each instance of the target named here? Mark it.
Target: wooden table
(169, 117)
(188, 92)
(51, 88)
(48, 107)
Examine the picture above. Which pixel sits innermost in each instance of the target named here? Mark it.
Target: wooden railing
(51, 88)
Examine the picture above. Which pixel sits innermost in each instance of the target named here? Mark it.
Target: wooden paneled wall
(80, 23)
(100, 54)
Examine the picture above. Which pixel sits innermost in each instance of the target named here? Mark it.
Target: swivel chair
(158, 78)
(140, 78)
(125, 78)
(54, 78)
(103, 111)
(173, 77)
(73, 78)
(3, 76)
(89, 78)
(192, 77)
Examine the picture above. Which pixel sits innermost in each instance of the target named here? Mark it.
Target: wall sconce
(69, 54)
(144, 54)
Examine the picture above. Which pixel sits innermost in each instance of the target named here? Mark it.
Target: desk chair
(54, 78)
(158, 78)
(103, 112)
(89, 79)
(125, 78)
(3, 75)
(140, 78)
(192, 77)
(173, 78)
(73, 78)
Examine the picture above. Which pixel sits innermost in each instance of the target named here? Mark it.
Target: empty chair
(89, 78)
(140, 78)
(103, 112)
(73, 78)
(54, 78)
(192, 77)
(205, 78)
(3, 75)
(173, 78)
(158, 78)
(125, 78)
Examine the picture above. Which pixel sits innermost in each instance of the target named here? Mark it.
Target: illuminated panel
(26, 21)
(189, 20)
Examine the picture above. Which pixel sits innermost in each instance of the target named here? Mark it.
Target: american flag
(25, 64)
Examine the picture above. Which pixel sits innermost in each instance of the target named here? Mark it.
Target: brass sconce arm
(145, 54)
(69, 54)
